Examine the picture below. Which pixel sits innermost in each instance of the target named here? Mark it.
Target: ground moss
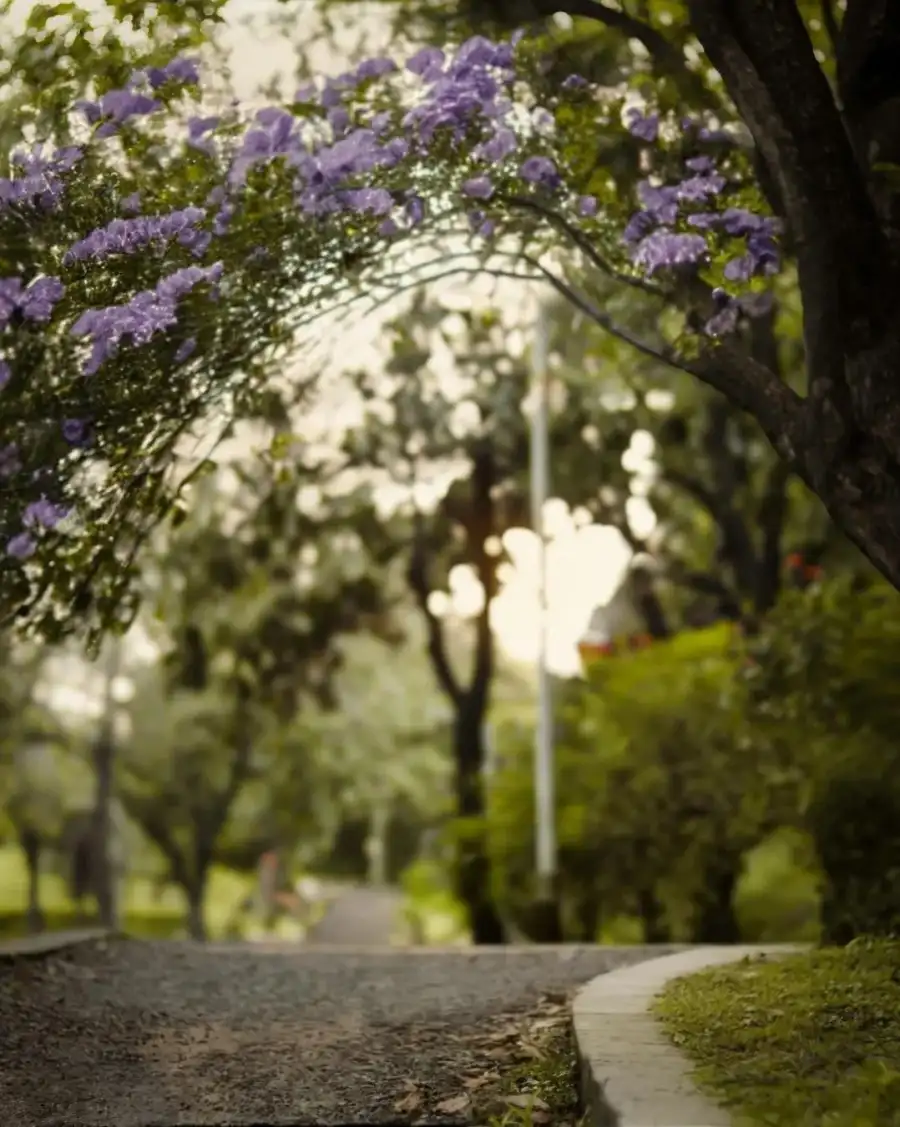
(811, 1040)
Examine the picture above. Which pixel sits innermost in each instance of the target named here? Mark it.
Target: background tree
(253, 595)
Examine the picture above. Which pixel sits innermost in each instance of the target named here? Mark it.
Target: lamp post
(545, 805)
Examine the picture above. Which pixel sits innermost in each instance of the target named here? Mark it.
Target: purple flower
(763, 253)
(574, 82)
(377, 201)
(124, 236)
(141, 318)
(540, 171)
(639, 225)
(185, 349)
(388, 228)
(415, 210)
(178, 70)
(33, 303)
(339, 120)
(704, 220)
(724, 321)
(131, 204)
(44, 514)
(38, 300)
(22, 546)
(76, 431)
(663, 249)
(374, 68)
(479, 188)
(739, 269)
(643, 126)
(696, 189)
(587, 206)
(428, 59)
(5, 374)
(701, 165)
(660, 203)
(10, 462)
(501, 144)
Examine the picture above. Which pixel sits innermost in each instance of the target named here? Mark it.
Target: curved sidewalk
(631, 1074)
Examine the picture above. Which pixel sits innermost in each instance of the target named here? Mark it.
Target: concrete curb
(630, 1074)
(34, 946)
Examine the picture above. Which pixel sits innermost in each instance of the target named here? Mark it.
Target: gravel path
(359, 917)
(134, 1034)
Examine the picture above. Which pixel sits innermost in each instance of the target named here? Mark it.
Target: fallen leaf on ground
(454, 1105)
(412, 1101)
(524, 1101)
(474, 1082)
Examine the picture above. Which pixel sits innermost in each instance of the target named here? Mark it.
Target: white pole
(540, 487)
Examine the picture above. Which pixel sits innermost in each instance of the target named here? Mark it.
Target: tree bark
(473, 865)
(30, 840)
(196, 918)
(714, 919)
(587, 917)
(104, 877)
(653, 917)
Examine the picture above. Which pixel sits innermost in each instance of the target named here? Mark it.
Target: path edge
(52, 942)
(630, 1074)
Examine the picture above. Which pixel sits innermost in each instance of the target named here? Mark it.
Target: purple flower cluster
(39, 179)
(146, 314)
(125, 236)
(114, 108)
(38, 515)
(655, 245)
(33, 302)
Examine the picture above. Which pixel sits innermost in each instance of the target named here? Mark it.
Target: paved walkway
(632, 1075)
(359, 917)
(129, 1033)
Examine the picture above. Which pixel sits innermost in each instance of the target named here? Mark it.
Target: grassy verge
(812, 1040)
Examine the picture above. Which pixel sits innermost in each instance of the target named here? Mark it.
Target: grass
(811, 1040)
(539, 1085)
(140, 898)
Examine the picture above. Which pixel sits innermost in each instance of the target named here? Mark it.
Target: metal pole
(540, 487)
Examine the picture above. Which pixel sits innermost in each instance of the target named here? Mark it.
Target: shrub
(855, 821)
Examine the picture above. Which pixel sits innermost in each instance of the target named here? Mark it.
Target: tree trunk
(587, 917)
(653, 917)
(473, 865)
(196, 919)
(714, 919)
(30, 841)
(103, 876)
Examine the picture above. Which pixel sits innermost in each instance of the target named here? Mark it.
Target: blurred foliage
(687, 768)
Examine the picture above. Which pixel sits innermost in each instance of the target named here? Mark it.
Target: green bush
(855, 821)
(825, 676)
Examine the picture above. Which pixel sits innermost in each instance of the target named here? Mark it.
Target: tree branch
(749, 385)
(480, 530)
(829, 22)
(584, 245)
(763, 51)
(668, 58)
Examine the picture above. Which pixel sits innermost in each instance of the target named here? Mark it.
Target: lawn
(811, 1040)
(141, 903)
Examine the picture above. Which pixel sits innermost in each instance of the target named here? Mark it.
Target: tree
(254, 595)
(719, 220)
(36, 765)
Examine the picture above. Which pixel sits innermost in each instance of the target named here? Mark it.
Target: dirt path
(155, 1034)
(359, 917)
